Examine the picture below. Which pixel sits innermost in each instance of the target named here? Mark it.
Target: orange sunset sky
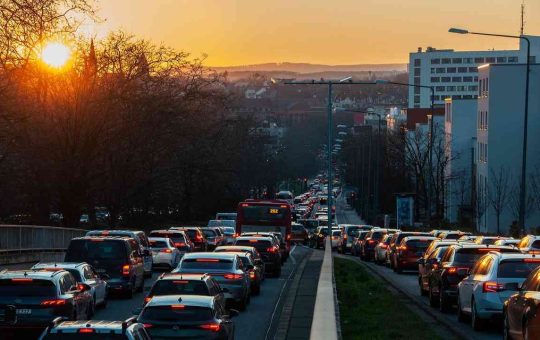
(239, 32)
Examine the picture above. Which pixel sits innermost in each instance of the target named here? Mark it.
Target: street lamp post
(330, 84)
(522, 193)
(430, 146)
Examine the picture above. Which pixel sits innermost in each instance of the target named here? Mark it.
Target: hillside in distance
(301, 68)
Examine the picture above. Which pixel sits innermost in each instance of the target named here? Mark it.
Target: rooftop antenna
(522, 28)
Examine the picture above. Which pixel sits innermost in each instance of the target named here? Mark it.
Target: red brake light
(22, 280)
(402, 248)
(253, 241)
(168, 251)
(178, 306)
(147, 299)
(53, 302)
(288, 236)
(271, 250)
(179, 244)
(233, 276)
(147, 325)
(87, 330)
(97, 240)
(382, 245)
(284, 206)
(491, 287)
(214, 327)
(182, 282)
(244, 205)
(452, 270)
(531, 260)
(126, 269)
(373, 241)
(251, 274)
(207, 260)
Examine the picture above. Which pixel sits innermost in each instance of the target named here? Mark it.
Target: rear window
(351, 230)
(377, 235)
(245, 260)
(228, 231)
(179, 287)
(418, 244)
(29, 288)
(98, 249)
(310, 224)
(192, 233)
(176, 313)
(536, 244)
(176, 237)
(489, 240)
(75, 274)
(258, 244)
(336, 233)
(209, 233)
(158, 244)
(516, 269)
(298, 228)
(362, 236)
(469, 256)
(452, 236)
(203, 264)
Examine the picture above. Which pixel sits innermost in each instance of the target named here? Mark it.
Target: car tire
(433, 301)
(422, 290)
(476, 323)
(444, 305)
(460, 315)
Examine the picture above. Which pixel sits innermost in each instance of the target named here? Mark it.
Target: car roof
(189, 300)
(236, 248)
(167, 231)
(30, 274)
(177, 276)
(423, 238)
(113, 231)
(60, 265)
(507, 256)
(484, 246)
(209, 255)
(258, 238)
(164, 239)
(96, 324)
(104, 237)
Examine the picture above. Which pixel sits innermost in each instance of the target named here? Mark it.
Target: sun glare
(55, 54)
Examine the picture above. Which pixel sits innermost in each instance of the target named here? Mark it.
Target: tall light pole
(523, 187)
(430, 146)
(330, 84)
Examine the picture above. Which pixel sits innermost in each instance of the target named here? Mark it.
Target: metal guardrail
(30, 238)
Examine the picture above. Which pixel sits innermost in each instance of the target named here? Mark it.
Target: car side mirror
(137, 311)
(233, 312)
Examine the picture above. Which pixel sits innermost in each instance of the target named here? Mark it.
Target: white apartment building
(454, 74)
(460, 136)
(500, 116)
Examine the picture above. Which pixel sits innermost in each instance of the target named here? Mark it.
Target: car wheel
(444, 305)
(476, 322)
(526, 330)
(421, 285)
(432, 299)
(506, 327)
(460, 315)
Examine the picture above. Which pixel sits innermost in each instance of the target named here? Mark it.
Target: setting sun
(55, 54)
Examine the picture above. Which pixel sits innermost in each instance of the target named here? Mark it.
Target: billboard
(404, 211)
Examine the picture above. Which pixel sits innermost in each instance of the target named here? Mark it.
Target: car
(268, 248)
(309, 224)
(379, 252)
(454, 265)
(345, 240)
(257, 259)
(367, 249)
(395, 241)
(530, 244)
(138, 236)
(491, 281)
(429, 262)
(84, 273)
(358, 238)
(179, 238)
(437, 232)
(187, 316)
(409, 251)
(95, 329)
(230, 235)
(318, 237)
(118, 257)
(226, 216)
(255, 272)
(283, 247)
(487, 239)
(164, 252)
(507, 242)
(227, 268)
(467, 238)
(40, 296)
(213, 237)
(336, 234)
(298, 233)
(521, 314)
(186, 284)
(196, 235)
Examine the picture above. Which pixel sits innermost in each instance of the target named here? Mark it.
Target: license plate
(24, 311)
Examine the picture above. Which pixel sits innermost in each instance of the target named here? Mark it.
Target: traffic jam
(208, 276)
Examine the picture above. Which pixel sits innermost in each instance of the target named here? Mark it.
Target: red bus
(265, 216)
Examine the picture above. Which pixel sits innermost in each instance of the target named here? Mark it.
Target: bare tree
(499, 192)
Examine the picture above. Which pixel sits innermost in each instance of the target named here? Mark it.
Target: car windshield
(202, 264)
(175, 313)
(100, 249)
(24, 287)
(514, 269)
(158, 244)
(179, 287)
(209, 233)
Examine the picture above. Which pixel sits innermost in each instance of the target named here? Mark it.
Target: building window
(433, 69)
(532, 59)
(416, 99)
(450, 88)
(501, 59)
(467, 96)
(456, 79)
(476, 79)
(467, 79)
(416, 80)
(512, 59)
(456, 97)
(416, 90)
(417, 62)
(441, 70)
(457, 60)
(490, 59)
(451, 70)
(440, 89)
(435, 61)
(446, 79)
(467, 60)
(435, 98)
(435, 79)
(485, 121)
(446, 60)
(473, 88)
(462, 88)
(478, 60)
(473, 69)
(462, 69)
(416, 71)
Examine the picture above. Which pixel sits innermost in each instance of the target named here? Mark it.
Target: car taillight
(233, 276)
(179, 244)
(126, 269)
(57, 302)
(455, 270)
(371, 241)
(87, 330)
(345, 236)
(199, 238)
(402, 248)
(147, 325)
(491, 287)
(288, 236)
(147, 299)
(214, 327)
(251, 274)
(166, 251)
(382, 245)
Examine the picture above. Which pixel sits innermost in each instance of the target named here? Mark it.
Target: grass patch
(369, 311)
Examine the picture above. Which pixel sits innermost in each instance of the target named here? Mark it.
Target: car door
(467, 285)
(516, 305)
